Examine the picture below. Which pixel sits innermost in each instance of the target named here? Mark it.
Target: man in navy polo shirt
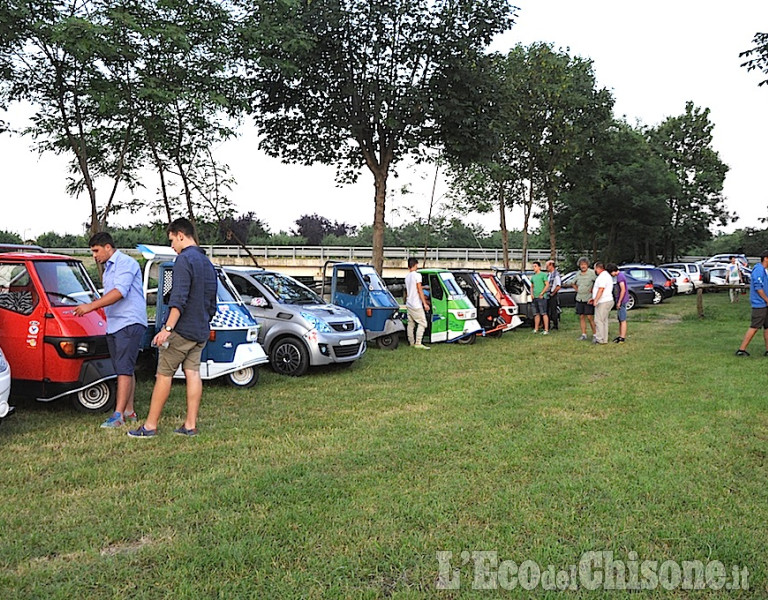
(182, 339)
(758, 297)
(126, 309)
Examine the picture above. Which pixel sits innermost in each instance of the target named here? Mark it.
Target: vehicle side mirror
(258, 301)
(367, 278)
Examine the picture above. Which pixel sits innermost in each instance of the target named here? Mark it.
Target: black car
(662, 283)
(640, 292)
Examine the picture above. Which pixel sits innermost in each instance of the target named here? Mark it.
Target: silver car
(5, 387)
(298, 329)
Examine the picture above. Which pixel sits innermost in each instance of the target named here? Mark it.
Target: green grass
(347, 482)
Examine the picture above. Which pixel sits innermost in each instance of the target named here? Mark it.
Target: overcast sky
(653, 55)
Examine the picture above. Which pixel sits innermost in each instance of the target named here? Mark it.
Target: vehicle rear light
(212, 336)
(68, 348)
(686, 280)
(648, 286)
(667, 283)
(369, 312)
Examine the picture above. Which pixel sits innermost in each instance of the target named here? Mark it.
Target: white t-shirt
(604, 280)
(412, 297)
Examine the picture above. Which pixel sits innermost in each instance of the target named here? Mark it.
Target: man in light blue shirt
(758, 296)
(126, 309)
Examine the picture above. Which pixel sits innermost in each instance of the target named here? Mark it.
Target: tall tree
(544, 116)
(615, 206)
(351, 82)
(72, 62)
(757, 56)
(685, 144)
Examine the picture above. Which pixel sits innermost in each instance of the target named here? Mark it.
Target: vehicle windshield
(66, 283)
(225, 292)
(374, 282)
(287, 290)
(451, 284)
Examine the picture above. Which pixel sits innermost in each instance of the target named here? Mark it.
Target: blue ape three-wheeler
(359, 288)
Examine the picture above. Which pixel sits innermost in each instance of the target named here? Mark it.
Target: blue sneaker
(142, 432)
(184, 431)
(115, 421)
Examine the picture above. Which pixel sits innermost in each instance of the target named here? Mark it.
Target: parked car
(359, 288)
(232, 352)
(52, 352)
(640, 292)
(694, 270)
(683, 281)
(724, 258)
(488, 306)
(518, 286)
(662, 283)
(298, 328)
(5, 387)
(508, 307)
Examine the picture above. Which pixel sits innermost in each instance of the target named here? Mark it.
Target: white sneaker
(546, 332)
(582, 337)
(421, 347)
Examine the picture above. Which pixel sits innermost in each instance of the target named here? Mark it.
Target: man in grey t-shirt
(585, 279)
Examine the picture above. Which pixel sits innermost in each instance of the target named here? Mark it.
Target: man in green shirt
(582, 283)
(540, 291)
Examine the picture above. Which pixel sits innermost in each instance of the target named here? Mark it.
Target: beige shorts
(180, 351)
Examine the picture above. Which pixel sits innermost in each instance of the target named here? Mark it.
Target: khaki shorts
(180, 351)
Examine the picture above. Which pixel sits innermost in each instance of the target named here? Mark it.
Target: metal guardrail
(354, 253)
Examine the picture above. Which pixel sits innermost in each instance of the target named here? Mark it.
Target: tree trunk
(527, 209)
(503, 227)
(380, 185)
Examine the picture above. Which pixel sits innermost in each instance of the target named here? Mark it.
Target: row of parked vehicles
(263, 317)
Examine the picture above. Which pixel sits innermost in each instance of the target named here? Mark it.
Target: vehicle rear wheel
(289, 357)
(243, 378)
(388, 342)
(631, 301)
(97, 398)
(470, 339)
(657, 297)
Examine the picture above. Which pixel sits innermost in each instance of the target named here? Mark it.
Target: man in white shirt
(602, 298)
(416, 303)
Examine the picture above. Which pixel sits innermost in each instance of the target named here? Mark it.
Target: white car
(694, 270)
(683, 281)
(5, 387)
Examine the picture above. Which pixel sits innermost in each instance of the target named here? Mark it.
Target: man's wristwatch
(168, 328)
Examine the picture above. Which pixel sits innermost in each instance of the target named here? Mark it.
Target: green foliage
(315, 229)
(615, 208)
(8, 237)
(757, 56)
(685, 144)
(353, 83)
(67, 240)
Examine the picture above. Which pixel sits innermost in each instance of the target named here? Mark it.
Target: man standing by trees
(602, 298)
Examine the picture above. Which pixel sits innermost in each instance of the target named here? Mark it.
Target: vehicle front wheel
(388, 342)
(470, 339)
(243, 378)
(100, 397)
(631, 301)
(289, 357)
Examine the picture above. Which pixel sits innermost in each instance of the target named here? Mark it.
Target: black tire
(631, 301)
(243, 378)
(98, 398)
(470, 339)
(657, 296)
(495, 334)
(388, 342)
(289, 357)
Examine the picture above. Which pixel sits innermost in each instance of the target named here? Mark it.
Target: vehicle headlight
(3, 363)
(318, 324)
(358, 323)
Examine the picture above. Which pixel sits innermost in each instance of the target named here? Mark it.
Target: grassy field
(347, 483)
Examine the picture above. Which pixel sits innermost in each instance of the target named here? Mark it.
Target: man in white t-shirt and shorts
(416, 303)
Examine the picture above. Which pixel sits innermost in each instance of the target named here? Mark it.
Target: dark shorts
(759, 318)
(583, 308)
(539, 306)
(180, 351)
(123, 346)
